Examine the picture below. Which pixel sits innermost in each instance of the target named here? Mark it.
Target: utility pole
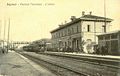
(0, 31)
(0, 28)
(105, 15)
(4, 34)
(8, 35)
(95, 30)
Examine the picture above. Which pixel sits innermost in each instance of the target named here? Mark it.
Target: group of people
(103, 50)
(69, 49)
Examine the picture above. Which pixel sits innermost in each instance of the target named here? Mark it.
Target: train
(37, 48)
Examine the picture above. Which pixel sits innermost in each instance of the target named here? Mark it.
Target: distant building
(80, 32)
(112, 41)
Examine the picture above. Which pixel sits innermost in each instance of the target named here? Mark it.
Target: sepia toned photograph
(59, 37)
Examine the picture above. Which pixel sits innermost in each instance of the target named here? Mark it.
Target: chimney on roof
(60, 25)
(90, 12)
(73, 18)
(83, 13)
(65, 22)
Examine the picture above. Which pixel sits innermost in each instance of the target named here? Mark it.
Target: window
(69, 31)
(107, 37)
(65, 32)
(59, 34)
(100, 37)
(62, 33)
(88, 28)
(77, 29)
(56, 35)
(104, 28)
(114, 36)
(114, 46)
(72, 30)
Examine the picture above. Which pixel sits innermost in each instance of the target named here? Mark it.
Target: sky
(34, 19)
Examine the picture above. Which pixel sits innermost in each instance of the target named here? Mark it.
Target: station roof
(83, 18)
(112, 32)
(93, 17)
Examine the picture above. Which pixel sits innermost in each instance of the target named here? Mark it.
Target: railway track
(58, 69)
(112, 63)
(68, 66)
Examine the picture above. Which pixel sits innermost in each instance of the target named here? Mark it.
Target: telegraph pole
(0, 32)
(0, 28)
(8, 35)
(105, 15)
(4, 34)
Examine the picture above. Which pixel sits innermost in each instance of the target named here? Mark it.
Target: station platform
(89, 55)
(14, 64)
(95, 55)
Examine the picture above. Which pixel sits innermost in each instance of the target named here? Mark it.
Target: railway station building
(80, 32)
(111, 40)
